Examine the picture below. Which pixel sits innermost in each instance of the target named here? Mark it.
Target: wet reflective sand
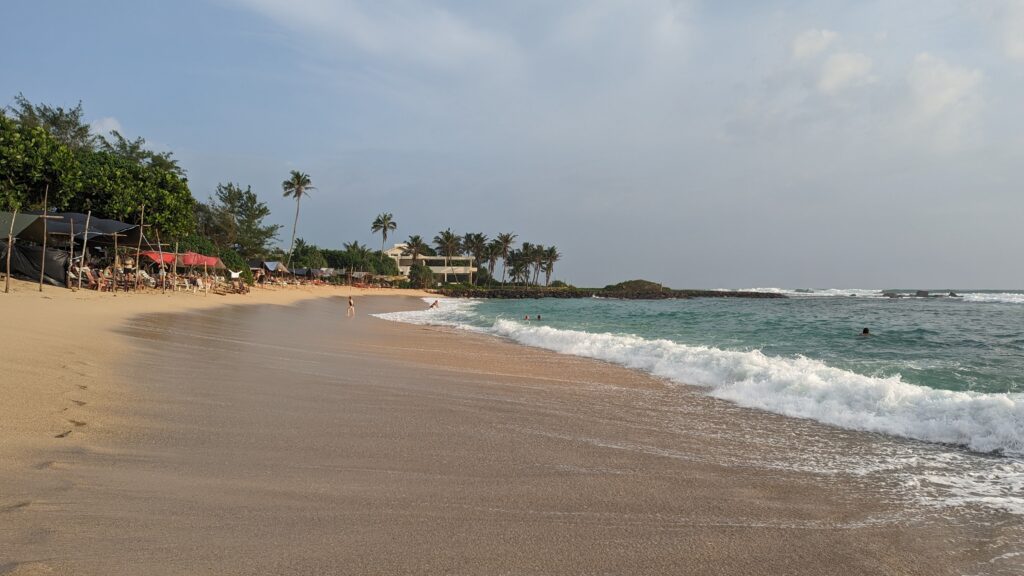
(291, 440)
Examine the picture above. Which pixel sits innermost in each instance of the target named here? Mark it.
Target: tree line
(50, 153)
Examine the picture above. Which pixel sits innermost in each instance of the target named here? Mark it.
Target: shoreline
(64, 343)
(610, 451)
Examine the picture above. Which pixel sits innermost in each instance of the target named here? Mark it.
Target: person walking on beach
(351, 307)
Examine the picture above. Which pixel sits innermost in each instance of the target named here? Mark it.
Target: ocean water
(946, 372)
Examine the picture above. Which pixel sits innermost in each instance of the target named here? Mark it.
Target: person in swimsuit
(351, 307)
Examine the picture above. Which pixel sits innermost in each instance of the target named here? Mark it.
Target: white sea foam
(455, 312)
(1003, 297)
(805, 388)
(820, 292)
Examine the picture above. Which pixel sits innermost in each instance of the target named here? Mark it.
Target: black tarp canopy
(101, 230)
(25, 260)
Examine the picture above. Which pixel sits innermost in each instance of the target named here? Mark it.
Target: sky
(698, 144)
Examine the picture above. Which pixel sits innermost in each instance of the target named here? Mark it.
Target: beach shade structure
(26, 259)
(192, 259)
(165, 257)
(101, 231)
(275, 267)
(21, 221)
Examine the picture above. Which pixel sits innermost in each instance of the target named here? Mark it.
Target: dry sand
(284, 438)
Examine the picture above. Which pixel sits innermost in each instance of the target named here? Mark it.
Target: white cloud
(945, 102)
(408, 31)
(104, 126)
(1012, 24)
(844, 70)
(937, 87)
(810, 43)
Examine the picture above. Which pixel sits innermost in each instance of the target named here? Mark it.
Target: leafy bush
(420, 276)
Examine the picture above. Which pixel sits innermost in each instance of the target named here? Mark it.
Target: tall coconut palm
(537, 256)
(297, 186)
(493, 253)
(416, 246)
(505, 240)
(384, 223)
(475, 244)
(551, 255)
(448, 244)
(526, 253)
(519, 265)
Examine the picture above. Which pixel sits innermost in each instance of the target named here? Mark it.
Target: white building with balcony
(457, 268)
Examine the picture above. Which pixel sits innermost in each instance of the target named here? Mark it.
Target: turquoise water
(948, 370)
(945, 372)
(945, 343)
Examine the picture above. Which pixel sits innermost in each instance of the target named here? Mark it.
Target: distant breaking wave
(968, 296)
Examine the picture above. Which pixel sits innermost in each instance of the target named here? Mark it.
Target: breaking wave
(805, 388)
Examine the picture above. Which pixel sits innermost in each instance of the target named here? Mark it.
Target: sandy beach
(269, 434)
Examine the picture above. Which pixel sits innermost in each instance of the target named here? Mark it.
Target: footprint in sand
(63, 434)
(15, 506)
(77, 422)
(83, 387)
(80, 402)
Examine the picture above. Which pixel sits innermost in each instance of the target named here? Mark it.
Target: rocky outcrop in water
(630, 290)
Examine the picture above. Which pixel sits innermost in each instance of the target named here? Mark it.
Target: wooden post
(163, 265)
(138, 249)
(10, 248)
(42, 260)
(71, 248)
(85, 242)
(45, 217)
(175, 268)
(113, 269)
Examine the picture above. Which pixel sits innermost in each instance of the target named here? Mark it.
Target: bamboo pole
(85, 243)
(138, 249)
(42, 259)
(10, 248)
(113, 269)
(175, 268)
(163, 265)
(71, 248)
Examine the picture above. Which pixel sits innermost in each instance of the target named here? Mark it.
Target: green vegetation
(51, 152)
(46, 151)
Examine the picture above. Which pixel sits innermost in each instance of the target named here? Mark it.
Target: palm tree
(416, 246)
(297, 186)
(493, 253)
(519, 265)
(505, 240)
(357, 253)
(475, 243)
(448, 244)
(526, 253)
(384, 223)
(551, 255)
(538, 262)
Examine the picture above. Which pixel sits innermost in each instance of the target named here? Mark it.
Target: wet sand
(281, 439)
